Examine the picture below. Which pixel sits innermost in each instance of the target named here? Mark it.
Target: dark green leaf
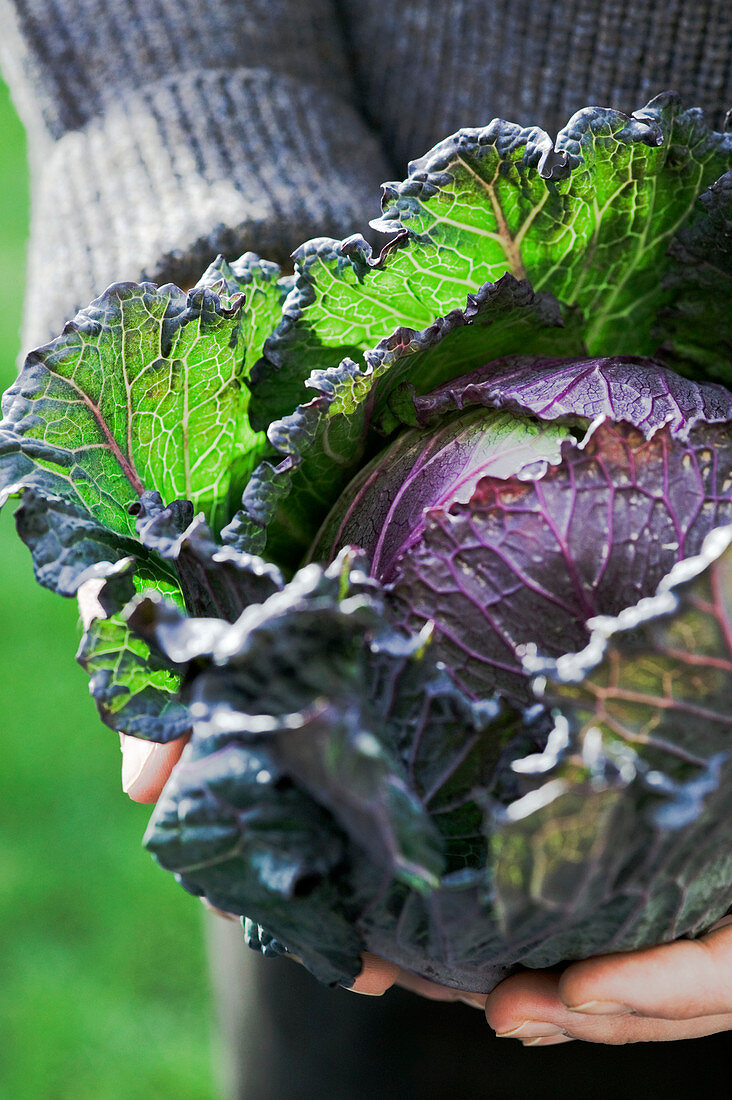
(291, 670)
(215, 580)
(65, 540)
(232, 825)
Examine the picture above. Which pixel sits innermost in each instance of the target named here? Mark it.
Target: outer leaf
(264, 289)
(144, 390)
(65, 541)
(215, 580)
(659, 676)
(135, 692)
(645, 707)
(697, 328)
(259, 283)
(589, 220)
(532, 561)
(580, 868)
(630, 198)
(324, 441)
(365, 727)
(370, 731)
(232, 826)
(295, 675)
(555, 848)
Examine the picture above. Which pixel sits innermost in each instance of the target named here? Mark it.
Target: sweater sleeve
(160, 135)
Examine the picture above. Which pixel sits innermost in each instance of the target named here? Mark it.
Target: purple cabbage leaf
(479, 521)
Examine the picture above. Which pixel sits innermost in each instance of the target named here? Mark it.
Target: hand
(681, 990)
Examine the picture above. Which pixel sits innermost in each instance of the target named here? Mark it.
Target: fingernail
(601, 1008)
(531, 1029)
(135, 757)
(549, 1040)
(362, 992)
(475, 1000)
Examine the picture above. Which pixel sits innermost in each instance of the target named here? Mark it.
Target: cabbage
(429, 549)
(479, 522)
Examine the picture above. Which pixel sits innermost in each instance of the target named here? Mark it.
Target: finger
(146, 766)
(621, 1030)
(676, 981)
(528, 1007)
(377, 976)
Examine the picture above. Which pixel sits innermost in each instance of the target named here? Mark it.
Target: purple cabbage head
(495, 733)
(533, 496)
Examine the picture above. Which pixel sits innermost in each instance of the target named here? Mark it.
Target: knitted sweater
(161, 134)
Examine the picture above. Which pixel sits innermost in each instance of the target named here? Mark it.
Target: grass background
(103, 990)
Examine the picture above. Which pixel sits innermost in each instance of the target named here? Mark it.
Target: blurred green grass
(103, 990)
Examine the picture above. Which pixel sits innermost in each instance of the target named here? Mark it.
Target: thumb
(146, 766)
(675, 981)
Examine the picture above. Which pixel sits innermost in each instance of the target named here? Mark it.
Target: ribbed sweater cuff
(193, 165)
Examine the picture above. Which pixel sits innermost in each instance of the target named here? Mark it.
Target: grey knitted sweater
(163, 133)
